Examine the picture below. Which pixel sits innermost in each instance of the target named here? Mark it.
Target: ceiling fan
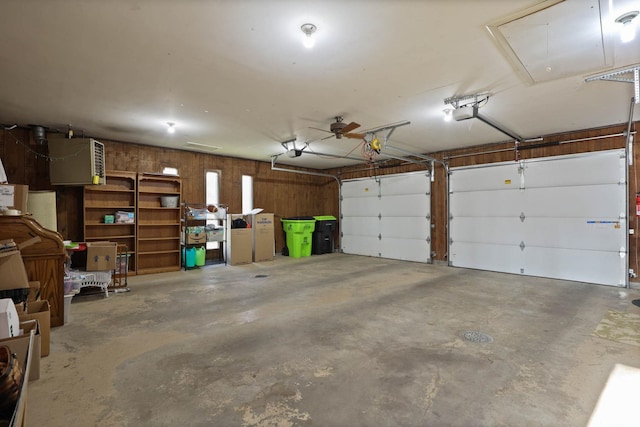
(339, 129)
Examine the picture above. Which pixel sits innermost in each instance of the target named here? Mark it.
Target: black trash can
(322, 240)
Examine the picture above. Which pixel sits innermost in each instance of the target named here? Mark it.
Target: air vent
(202, 147)
(98, 158)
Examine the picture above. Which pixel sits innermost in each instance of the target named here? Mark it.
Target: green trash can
(299, 231)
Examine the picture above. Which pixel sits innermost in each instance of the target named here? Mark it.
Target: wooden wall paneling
(288, 194)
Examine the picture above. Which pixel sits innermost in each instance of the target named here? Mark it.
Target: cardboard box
(101, 256)
(40, 311)
(239, 246)
(9, 320)
(196, 238)
(22, 346)
(14, 196)
(27, 329)
(12, 271)
(263, 237)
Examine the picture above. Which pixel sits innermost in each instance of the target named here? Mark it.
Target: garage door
(388, 217)
(560, 217)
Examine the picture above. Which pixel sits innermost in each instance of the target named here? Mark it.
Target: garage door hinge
(522, 246)
(379, 216)
(522, 217)
(379, 236)
(428, 239)
(428, 217)
(450, 241)
(622, 216)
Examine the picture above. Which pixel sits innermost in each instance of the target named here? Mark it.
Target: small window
(212, 188)
(247, 193)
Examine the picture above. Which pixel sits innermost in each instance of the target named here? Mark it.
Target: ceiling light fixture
(628, 29)
(171, 128)
(448, 114)
(309, 40)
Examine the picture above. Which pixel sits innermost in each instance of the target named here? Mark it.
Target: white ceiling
(234, 74)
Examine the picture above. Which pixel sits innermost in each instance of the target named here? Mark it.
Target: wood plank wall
(290, 194)
(282, 193)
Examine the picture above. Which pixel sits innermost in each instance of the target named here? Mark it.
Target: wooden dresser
(43, 260)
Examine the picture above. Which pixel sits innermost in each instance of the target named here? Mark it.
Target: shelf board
(124, 236)
(108, 207)
(164, 193)
(159, 207)
(158, 269)
(109, 190)
(173, 224)
(98, 224)
(158, 252)
(150, 239)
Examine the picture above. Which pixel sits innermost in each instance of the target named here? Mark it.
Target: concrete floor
(332, 340)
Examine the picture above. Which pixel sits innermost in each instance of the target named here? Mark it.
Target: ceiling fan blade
(323, 130)
(348, 128)
(354, 135)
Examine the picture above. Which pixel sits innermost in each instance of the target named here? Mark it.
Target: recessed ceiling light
(309, 40)
(628, 29)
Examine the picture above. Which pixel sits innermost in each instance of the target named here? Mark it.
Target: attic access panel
(555, 39)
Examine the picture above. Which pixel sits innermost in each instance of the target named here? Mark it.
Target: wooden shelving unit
(119, 194)
(198, 215)
(158, 228)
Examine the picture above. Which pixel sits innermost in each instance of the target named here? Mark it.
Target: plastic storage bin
(299, 231)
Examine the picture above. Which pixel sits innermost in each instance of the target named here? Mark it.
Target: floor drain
(260, 276)
(475, 336)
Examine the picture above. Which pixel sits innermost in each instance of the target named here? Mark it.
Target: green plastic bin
(298, 235)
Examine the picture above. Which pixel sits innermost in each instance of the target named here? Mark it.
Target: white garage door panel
(406, 205)
(405, 184)
(574, 225)
(502, 258)
(598, 234)
(582, 266)
(405, 249)
(580, 170)
(406, 228)
(404, 209)
(503, 231)
(360, 188)
(593, 200)
(361, 245)
(491, 178)
(360, 207)
(485, 203)
(360, 226)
